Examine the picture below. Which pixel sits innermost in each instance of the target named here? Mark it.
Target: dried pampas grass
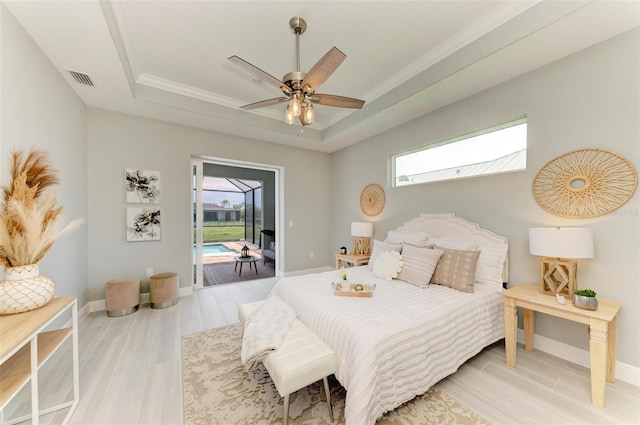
(30, 222)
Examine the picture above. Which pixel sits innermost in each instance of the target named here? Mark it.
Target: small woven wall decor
(372, 199)
(585, 183)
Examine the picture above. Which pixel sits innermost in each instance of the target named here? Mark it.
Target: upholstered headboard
(448, 226)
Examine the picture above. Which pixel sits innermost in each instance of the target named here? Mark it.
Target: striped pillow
(419, 264)
(456, 269)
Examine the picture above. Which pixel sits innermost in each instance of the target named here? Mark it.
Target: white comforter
(398, 343)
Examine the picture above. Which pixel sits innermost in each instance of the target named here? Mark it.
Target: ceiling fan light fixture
(295, 105)
(308, 114)
(288, 116)
(299, 88)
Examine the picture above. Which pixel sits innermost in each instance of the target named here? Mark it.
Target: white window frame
(393, 179)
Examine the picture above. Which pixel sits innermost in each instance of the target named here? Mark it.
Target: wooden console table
(356, 260)
(602, 330)
(26, 347)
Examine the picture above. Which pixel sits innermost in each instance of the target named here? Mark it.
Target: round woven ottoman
(163, 290)
(122, 296)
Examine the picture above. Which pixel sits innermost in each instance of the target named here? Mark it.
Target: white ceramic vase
(24, 289)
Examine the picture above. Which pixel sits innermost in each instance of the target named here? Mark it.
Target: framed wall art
(143, 224)
(142, 186)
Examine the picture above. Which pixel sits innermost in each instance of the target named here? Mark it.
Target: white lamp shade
(561, 242)
(362, 229)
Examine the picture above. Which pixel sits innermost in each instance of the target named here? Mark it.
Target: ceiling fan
(299, 88)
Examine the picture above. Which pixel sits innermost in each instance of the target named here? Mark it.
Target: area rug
(218, 390)
(219, 273)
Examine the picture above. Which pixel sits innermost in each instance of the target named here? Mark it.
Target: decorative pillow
(418, 264)
(379, 247)
(272, 246)
(388, 265)
(456, 269)
(491, 264)
(461, 244)
(414, 238)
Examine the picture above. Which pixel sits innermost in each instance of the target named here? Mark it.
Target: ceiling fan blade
(264, 103)
(338, 101)
(323, 69)
(259, 74)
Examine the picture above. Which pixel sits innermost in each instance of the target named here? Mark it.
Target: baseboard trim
(101, 305)
(624, 372)
(84, 312)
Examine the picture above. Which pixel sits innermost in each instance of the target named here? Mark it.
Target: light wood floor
(130, 371)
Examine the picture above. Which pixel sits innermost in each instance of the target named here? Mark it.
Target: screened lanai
(232, 209)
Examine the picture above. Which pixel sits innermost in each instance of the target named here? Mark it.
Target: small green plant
(585, 292)
(342, 273)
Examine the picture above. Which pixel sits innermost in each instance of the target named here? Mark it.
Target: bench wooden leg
(326, 391)
(285, 418)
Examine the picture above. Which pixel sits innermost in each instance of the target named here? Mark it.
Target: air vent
(81, 78)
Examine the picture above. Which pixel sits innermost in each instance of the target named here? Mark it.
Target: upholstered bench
(301, 360)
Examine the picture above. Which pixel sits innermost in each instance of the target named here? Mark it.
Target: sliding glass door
(229, 210)
(197, 223)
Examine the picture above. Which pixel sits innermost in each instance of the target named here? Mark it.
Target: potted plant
(585, 299)
(343, 284)
(30, 223)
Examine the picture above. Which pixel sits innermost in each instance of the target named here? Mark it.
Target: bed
(400, 342)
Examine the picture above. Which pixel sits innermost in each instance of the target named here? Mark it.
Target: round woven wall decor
(585, 183)
(372, 199)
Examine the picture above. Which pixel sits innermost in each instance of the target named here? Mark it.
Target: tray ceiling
(168, 59)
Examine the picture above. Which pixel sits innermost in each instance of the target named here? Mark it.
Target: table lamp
(560, 247)
(363, 232)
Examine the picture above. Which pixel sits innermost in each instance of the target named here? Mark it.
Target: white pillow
(491, 264)
(379, 247)
(414, 238)
(459, 244)
(388, 265)
(418, 264)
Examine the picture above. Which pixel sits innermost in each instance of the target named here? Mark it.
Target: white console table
(25, 346)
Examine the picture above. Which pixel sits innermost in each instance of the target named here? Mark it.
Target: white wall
(118, 141)
(40, 109)
(588, 100)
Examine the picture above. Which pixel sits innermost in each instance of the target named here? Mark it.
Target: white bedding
(398, 343)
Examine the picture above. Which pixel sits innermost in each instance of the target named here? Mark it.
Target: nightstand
(353, 259)
(602, 330)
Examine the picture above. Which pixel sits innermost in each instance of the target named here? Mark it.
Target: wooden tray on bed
(342, 291)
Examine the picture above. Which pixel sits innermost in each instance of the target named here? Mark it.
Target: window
(498, 149)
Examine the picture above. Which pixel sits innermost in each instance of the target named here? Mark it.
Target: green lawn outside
(224, 233)
(221, 234)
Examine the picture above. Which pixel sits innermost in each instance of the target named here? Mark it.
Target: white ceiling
(168, 59)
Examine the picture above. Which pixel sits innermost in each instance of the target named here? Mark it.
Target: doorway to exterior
(233, 207)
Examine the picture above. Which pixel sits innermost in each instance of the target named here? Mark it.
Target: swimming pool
(211, 249)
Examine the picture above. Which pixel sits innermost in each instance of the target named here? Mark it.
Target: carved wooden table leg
(598, 349)
(529, 317)
(510, 330)
(611, 352)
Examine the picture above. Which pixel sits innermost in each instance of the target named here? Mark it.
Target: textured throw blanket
(265, 330)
